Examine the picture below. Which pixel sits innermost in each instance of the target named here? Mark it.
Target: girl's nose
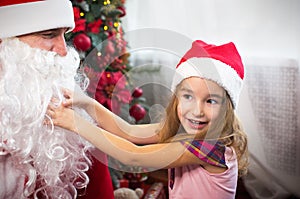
(198, 110)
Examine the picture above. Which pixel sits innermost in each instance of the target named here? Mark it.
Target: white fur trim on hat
(210, 69)
(24, 18)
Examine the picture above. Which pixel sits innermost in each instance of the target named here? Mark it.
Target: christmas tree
(99, 37)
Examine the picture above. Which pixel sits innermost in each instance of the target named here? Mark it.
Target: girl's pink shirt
(194, 182)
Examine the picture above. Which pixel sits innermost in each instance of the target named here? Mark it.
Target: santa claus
(38, 160)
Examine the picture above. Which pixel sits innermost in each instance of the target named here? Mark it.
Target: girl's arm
(139, 134)
(158, 156)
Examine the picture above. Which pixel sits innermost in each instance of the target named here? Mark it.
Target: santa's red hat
(221, 64)
(19, 17)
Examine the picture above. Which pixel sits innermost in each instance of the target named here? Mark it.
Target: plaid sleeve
(207, 151)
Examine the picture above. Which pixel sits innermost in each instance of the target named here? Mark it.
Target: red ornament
(137, 112)
(138, 92)
(82, 42)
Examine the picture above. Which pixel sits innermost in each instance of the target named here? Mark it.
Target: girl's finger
(67, 102)
(67, 93)
(51, 107)
(50, 113)
(54, 100)
(46, 121)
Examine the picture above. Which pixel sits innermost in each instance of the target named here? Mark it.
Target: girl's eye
(212, 101)
(187, 96)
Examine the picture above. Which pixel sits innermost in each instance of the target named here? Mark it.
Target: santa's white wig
(53, 160)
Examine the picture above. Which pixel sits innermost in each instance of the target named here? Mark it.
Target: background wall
(258, 27)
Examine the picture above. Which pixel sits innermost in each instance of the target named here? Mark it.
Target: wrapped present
(156, 191)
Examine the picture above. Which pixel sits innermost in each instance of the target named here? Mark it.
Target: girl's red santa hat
(221, 64)
(19, 17)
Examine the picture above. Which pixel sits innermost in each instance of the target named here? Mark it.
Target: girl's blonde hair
(227, 129)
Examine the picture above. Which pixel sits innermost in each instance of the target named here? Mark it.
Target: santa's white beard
(53, 160)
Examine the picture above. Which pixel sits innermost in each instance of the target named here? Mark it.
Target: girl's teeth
(195, 122)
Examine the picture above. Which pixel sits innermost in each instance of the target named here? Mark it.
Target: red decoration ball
(82, 42)
(137, 112)
(138, 92)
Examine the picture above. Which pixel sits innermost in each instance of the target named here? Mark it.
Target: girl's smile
(197, 125)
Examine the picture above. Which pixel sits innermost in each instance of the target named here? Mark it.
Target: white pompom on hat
(19, 17)
(221, 64)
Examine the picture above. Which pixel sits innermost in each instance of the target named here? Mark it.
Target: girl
(200, 141)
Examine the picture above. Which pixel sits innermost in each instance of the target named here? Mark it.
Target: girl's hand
(76, 98)
(62, 116)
